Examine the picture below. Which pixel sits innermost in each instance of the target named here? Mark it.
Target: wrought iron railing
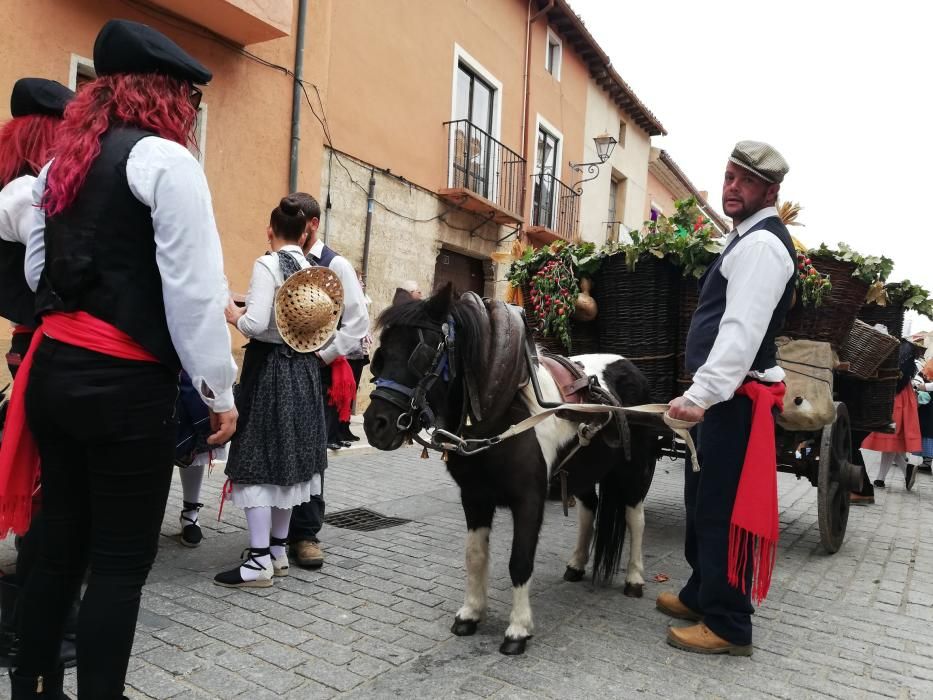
(554, 205)
(481, 164)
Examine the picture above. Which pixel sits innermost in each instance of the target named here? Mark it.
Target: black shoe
(345, 443)
(350, 437)
(911, 474)
(9, 593)
(191, 534)
(232, 578)
(334, 446)
(48, 686)
(879, 483)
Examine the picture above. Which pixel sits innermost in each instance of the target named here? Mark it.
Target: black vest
(704, 327)
(100, 254)
(17, 302)
(327, 256)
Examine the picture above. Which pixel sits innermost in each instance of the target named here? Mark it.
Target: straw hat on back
(308, 307)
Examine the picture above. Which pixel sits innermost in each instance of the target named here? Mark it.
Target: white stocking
(887, 459)
(191, 478)
(259, 520)
(281, 518)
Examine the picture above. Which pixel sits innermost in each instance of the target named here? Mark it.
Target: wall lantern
(604, 145)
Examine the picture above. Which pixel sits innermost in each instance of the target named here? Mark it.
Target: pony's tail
(609, 536)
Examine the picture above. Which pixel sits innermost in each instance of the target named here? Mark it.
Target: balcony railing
(480, 164)
(554, 206)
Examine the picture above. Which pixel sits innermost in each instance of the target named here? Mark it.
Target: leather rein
(417, 415)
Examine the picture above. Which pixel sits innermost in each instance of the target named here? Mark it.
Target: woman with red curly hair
(26, 143)
(25, 146)
(125, 258)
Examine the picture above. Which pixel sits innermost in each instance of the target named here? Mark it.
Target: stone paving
(374, 621)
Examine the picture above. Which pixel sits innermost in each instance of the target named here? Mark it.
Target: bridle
(430, 364)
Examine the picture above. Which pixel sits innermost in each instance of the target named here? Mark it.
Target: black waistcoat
(17, 302)
(704, 327)
(100, 254)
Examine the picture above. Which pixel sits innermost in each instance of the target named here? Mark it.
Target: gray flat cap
(761, 159)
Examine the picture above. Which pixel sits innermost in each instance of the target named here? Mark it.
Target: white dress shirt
(757, 272)
(16, 209)
(355, 319)
(164, 176)
(259, 320)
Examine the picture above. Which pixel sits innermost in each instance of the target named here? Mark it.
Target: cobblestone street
(374, 621)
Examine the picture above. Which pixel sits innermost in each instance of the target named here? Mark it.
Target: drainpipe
(370, 205)
(297, 94)
(526, 112)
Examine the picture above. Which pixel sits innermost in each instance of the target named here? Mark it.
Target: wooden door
(465, 272)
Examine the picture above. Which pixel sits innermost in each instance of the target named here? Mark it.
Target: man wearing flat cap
(731, 531)
(125, 259)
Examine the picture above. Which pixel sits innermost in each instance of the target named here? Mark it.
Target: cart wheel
(832, 489)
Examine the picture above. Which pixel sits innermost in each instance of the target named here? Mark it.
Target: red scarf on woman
(755, 513)
(19, 455)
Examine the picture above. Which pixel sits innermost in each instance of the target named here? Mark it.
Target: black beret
(39, 96)
(130, 47)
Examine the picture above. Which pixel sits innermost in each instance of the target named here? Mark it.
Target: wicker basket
(689, 299)
(870, 401)
(832, 321)
(891, 316)
(638, 317)
(865, 349)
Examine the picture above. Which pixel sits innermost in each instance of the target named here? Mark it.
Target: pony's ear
(438, 306)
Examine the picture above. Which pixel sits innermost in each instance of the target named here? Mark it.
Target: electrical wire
(203, 33)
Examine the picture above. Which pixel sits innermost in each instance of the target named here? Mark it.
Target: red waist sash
(19, 455)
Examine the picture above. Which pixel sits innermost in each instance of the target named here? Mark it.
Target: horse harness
(584, 400)
(575, 386)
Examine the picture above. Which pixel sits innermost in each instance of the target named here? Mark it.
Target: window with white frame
(82, 72)
(552, 58)
(545, 189)
(474, 103)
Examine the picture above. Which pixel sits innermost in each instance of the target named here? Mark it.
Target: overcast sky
(841, 89)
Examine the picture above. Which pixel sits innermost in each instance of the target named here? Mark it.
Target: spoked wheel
(832, 483)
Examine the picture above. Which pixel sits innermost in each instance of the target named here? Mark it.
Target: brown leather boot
(702, 640)
(308, 554)
(671, 605)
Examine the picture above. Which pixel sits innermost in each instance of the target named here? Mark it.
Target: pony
(434, 359)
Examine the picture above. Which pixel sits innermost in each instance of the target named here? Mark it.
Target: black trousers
(867, 488)
(106, 434)
(308, 517)
(709, 495)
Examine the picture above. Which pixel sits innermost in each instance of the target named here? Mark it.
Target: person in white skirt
(278, 455)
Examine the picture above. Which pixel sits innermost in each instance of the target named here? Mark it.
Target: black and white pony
(458, 365)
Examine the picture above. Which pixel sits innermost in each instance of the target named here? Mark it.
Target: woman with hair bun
(279, 451)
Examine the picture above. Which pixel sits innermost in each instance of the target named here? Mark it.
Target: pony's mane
(467, 326)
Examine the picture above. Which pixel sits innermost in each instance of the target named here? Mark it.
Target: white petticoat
(218, 454)
(268, 495)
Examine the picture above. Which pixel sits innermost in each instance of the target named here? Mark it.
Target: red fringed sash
(754, 524)
(342, 388)
(19, 455)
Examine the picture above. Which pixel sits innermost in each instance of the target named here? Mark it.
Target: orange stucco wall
(249, 108)
(390, 75)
